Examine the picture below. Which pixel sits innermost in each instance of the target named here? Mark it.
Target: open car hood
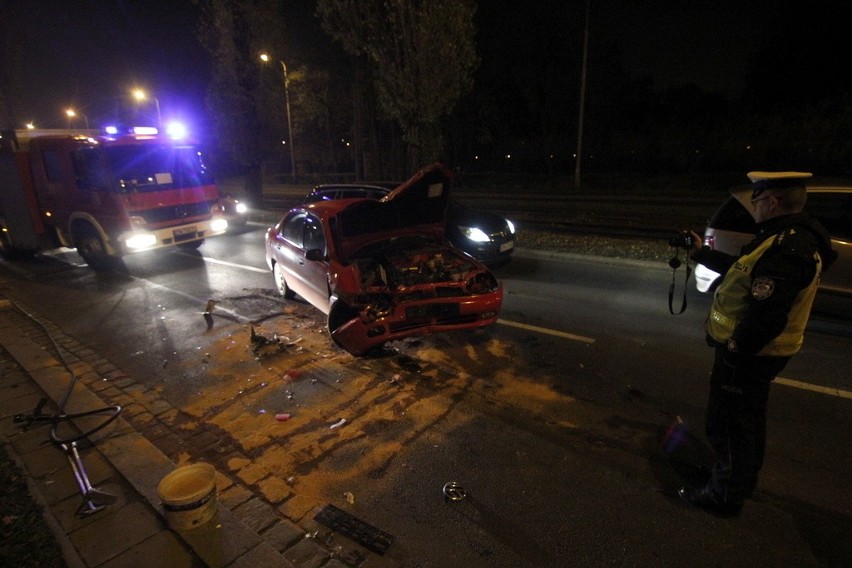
(418, 206)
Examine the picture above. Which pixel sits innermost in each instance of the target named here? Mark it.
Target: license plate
(507, 246)
(184, 233)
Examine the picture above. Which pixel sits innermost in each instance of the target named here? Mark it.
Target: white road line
(547, 331)
(813, 388)
(234, 265)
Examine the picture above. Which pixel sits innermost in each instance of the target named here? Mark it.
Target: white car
(732, 226)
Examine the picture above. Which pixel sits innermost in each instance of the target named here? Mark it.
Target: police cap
(761, 181)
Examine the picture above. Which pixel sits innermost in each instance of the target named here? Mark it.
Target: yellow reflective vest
(734, 296)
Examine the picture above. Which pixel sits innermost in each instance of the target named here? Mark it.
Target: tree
(422, 56)
(235, 32)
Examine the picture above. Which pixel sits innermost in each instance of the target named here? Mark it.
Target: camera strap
(675, 263)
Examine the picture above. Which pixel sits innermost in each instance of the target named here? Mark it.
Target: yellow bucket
(188, 495)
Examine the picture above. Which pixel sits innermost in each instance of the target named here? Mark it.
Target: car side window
(293, 229)
(834, 210)
(313, 237)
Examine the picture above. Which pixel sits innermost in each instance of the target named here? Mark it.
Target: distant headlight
(475, 234)
(218, 225)
(241, 208)
(511, 226)
(140, 241)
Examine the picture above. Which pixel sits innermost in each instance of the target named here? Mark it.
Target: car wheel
(281, 282)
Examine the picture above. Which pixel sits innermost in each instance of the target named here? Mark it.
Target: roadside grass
(25, 538)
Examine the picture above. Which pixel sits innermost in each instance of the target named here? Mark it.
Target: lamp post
(71, 113)
(265, 58)
(140, 96)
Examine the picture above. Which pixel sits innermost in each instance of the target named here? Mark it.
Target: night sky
(89, 54)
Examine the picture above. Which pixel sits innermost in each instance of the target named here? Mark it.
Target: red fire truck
(105, 195)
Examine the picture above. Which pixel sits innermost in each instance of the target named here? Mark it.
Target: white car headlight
(475, 234)
(218, 225)
(511, 226)
(241, 208)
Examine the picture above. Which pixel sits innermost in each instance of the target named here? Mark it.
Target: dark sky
(89, 54)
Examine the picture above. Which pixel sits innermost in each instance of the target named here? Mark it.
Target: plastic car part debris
(350, 497)
(337, 424)
(207, 313)
(453, 492)
(265, 346)
(282, 417)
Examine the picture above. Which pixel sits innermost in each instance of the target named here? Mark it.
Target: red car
(381, 269)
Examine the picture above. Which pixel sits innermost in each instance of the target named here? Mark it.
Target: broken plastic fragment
(338, 424)
(350, 497)
(282, 417)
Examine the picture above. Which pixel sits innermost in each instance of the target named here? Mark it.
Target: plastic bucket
(188, 495)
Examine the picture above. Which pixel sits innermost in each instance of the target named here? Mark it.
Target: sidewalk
(121, 461)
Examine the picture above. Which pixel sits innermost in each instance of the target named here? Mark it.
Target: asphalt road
(569, 424)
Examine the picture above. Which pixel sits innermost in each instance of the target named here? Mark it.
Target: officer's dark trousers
(736, 422)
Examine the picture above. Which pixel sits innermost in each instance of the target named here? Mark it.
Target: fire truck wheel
(91, 248)
(281, 283)
(191, 245)
(10, 252)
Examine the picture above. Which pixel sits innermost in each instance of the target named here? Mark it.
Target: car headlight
(475, 234)
(218, 225)
(241, 208)
(511, 226)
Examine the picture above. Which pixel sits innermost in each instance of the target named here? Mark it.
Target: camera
(683, 239)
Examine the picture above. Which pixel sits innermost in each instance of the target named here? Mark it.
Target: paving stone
(234, 496)
(109, 536)
(256, 514)
(163, 550)
(283, 534)
(307, 554)
(275, 489)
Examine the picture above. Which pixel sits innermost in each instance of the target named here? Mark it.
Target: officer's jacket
(765, 298)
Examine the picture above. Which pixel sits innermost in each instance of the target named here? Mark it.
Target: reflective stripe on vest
(734, 296)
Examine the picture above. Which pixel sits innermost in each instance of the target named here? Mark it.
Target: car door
(299, 233)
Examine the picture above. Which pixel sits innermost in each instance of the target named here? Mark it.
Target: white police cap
(761, 181)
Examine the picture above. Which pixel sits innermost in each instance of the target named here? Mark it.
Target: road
(569, 423)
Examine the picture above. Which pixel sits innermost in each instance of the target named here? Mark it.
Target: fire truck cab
(105, 195)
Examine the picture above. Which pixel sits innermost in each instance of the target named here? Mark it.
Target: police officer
(756, 324)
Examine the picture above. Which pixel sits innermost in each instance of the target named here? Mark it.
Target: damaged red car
(382, 270)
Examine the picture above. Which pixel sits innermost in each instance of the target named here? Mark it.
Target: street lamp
(140, 96)
(265, 58)
(71, 113)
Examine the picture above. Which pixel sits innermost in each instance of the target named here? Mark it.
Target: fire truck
(105, 194)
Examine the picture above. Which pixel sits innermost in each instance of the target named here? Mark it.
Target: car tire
(281, 282)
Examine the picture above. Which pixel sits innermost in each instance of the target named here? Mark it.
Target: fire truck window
(52, 165)
(89, 170)
(142, 168)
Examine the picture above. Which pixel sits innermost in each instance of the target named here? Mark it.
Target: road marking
(813, 388)
(234, 265)
(547, 331)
